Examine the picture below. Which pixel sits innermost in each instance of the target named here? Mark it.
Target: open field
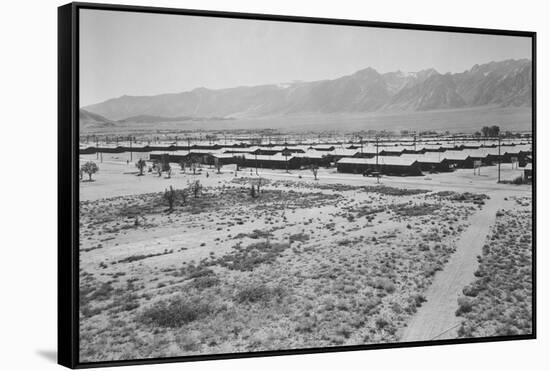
(302, 263)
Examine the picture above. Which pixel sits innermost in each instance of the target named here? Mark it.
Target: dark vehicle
(370, 172)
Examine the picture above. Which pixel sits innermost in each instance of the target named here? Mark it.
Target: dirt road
(436, 318)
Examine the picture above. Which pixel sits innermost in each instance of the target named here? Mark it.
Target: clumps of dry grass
(246, 258)
(412, 210)
(359, 211)
(176, 312)
(523, 201)
(255, 234)
(205, 282)
(380, 189)
(133, 258)
(247, 181)
(475, 198)
(414, 302)
(464, 306)
(299, 237)
(384, 284)
(91, 292)
(393, 191)
(499, 301)
(320, 186)
(96, 297)
(255, 293)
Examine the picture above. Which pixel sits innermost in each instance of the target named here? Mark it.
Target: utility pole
(377, 169)
(286, 155)
(256, 156)
(361, 144)
(131, 149)
(498, 159)
(376, 153)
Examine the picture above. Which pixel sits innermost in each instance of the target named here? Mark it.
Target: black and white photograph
(253, 185)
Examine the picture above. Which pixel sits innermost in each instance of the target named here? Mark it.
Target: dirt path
(436, 318)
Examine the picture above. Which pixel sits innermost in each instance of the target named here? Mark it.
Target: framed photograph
(242, 185)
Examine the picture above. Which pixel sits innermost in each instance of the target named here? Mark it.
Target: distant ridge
(90, 119)
(156, 119)
(504, 83)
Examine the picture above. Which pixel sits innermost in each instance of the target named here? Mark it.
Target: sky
(128, 53)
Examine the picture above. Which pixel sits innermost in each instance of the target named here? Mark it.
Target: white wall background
(28, 58)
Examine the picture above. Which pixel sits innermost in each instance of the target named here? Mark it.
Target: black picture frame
(68, 186)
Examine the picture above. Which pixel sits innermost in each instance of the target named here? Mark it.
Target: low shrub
(384, 284)
(470, 291)
(464, 306)
(176, 312)
(249, 257)
(381, 323)
(205, 282)
(258, 293)
(300, 237)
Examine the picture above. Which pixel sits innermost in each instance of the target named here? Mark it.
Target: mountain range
(505, 83)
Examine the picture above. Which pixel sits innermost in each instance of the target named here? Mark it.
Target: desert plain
(297, 263)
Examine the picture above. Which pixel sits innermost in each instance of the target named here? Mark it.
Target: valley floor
(300, 263)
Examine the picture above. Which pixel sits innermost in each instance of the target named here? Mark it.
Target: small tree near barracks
(196, 188)
(314, 170)
(140, 164)
(90, 168)
(170, 197)
(218, 165)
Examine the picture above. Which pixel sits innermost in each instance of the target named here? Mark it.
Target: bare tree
(218, 165)
(193, 164)
(494, 130)
(490, 131)
(196, 187)
(165, 164)
(158, 169)
(90, 168)
(258, 185)
(183, 195)
(170, 196)
(314, 170)
(140, 164)
(252, 191)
